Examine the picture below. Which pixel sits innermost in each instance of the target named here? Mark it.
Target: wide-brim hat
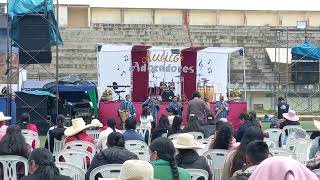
(291, 116)
(135, 169)
(3, 117)
(78, 125)
(186, 141)
(97, 123)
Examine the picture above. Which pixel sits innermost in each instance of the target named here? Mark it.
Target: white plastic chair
(94, 133)
(290, 130)
(274, 135)
(143, 131)
(106, 171)
(173, 136)
(71, 170)
(30, 139)
(57, 145)
(9, 165)
(81, 145)
(197, 135)
(316, 171)
(29, 132)
(206, 143)
(136, 145)
(142, 154)
(301, 148)
(282, 152)
(197, 173)
(216, 159)
(76, 157)
(270, 143)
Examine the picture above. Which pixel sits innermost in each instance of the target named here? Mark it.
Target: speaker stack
(305, 71)
(34, 39)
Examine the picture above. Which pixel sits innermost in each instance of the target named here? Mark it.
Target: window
(2, 8)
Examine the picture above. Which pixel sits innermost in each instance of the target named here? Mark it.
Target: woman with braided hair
(163, 161)
(42, 166)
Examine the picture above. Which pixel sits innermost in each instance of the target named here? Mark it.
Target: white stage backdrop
(114, 65)
(213, 67)
(114, 62)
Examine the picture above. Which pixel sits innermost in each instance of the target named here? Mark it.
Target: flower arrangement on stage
(107, 94)
(235, 94)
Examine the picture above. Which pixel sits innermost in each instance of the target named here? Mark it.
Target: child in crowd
(257, 151)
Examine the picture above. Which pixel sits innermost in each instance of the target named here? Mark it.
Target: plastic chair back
(274, 135)
(282, 152)
(81, 145)
(173, 136)
(9, 165)
(106, 171)
(301, 148)
(270, 143)
(197, 173)
(79, 158)
(142, 154)
(30, 139)
(94, 133)
(143, 131)
(197, 135)
(71, 170)
(136, 145)
(216, 159)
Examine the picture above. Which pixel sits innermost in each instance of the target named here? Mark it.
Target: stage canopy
(305, 51)
(144, 67)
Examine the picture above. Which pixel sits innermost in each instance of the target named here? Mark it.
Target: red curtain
(140, 80)
(190, 79)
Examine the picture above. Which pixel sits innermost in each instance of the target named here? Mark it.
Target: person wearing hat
(245, 125)
(135, 170)
(3, 124)
(77, 132)
(290, 118)
(188, 157)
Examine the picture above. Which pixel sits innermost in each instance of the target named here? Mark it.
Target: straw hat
(78, 125)
(3, 117)
(97, 123)
(186, 141)
(135, 169)
(291, 116)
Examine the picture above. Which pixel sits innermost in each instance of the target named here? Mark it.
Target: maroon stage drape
(140, 80)
(190, 79)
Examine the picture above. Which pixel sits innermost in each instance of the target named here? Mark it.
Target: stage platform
(109, 109)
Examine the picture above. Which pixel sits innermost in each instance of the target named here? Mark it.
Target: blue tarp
(85, 86)
(305, 51)
(3, 108)
(20, 7)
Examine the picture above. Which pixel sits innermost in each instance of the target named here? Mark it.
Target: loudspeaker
(34, 39)
(305, 72)
(29, 100)
(167, 95)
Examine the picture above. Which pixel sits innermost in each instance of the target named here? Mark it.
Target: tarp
(20, 7)
(39, 93)
(85, 86)
(305, 51)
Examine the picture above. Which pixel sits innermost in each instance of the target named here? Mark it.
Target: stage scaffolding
(303, 97)
(9, 59)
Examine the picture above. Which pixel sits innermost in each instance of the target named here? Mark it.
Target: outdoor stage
(110, 109)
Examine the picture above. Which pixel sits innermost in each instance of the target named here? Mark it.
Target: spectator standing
(283, 107)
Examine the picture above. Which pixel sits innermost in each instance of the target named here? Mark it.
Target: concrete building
(248, 23)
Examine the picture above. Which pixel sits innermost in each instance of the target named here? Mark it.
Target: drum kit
(165, 91)
(205, 90)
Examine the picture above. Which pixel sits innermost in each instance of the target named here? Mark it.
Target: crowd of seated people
(248, 155)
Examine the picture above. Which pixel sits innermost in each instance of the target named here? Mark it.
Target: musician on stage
(176, 105)
(221, 109)
(153, 104)
(126, 109)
